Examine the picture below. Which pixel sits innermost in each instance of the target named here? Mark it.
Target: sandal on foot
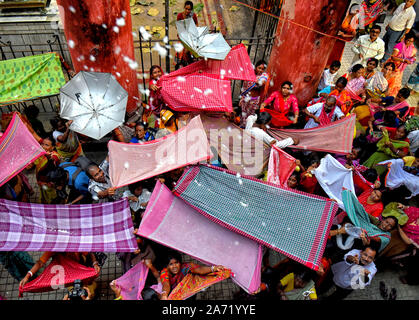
(393, 294)
(383, 290)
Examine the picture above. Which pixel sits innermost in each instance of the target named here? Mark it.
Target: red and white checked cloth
(197, 92)
(236, 66)
(104, 227)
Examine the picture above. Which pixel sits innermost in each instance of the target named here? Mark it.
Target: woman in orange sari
(343, 99)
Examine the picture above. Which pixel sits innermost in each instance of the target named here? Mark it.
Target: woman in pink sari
(356, 83)
(283, 103)
(253, 92)
(404, 53)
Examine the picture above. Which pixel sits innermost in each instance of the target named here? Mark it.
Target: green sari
(384, 153)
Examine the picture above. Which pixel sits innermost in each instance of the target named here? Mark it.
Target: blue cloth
(326, 90)
(82, 179)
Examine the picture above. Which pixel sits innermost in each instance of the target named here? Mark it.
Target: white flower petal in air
(71, 44)
(238, 175)
(166, 40)
(115, 29)
(117, 50)
(120, 22)
(146, 36)
(104, 26)
(124, 13)
(162, 51)
(240, 181)
(96, 198)
(197, 89)
(181, 79)
(126, 165)
(92, 58)
(207, 91)
(178, 47)
(118, 74)
(72, 9)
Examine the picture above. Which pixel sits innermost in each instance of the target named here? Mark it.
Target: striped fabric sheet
(104, 227)
(236, 66)
(336, 137)
(293, 223)
(197, 92)
(18, 148)
(281, 166)
(170, 221)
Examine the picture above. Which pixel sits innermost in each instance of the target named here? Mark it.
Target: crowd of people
(372, 90)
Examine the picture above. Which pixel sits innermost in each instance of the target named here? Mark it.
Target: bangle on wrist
(30, 272)
(95, 263)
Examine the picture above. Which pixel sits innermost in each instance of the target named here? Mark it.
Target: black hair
(335, 64)
(410, 35)
(32, 111)
(370, 175)
(304, 275)
(259, 63)
(264, 118)
(417, 153)
(57, 176)
(395, 219)
(288, 83)
(373, 60)
(375, 26)
(55, 121)
(405, 130)
(342, 80)
(357, 67)
(179, 64)
(140, 123)
(134, 186)
(390, 117)
(390, 64)
(374, 246)
(404, 92)
(188, 3)
(154, 67)
(50, 138)
(149, 294)
(173, 255)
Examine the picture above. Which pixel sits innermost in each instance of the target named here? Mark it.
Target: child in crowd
(328, 76)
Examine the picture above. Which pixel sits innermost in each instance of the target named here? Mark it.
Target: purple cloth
(172, 222)
(104, 227)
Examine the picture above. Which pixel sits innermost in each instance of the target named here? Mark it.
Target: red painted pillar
(99, 37)
(299, 54)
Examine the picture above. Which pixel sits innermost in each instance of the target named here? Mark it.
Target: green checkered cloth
(30, 78)
(293, 223)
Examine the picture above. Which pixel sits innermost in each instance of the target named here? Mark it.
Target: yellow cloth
(288, 283)
(409, 160)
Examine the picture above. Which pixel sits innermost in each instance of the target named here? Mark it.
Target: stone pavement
(220, 291)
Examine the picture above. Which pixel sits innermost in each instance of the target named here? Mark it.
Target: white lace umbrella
(200, 42)
(96, 103)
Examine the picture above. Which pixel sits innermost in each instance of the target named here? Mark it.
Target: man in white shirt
(314, 112)
(368, 46)
(400, 24)
(355, 272)
(257, 125)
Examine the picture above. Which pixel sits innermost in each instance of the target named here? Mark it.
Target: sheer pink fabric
(132, 282)
(131, 162)
(172, 222)
(18, 148)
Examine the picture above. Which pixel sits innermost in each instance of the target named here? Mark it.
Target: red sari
(372, 209)
(281, 108)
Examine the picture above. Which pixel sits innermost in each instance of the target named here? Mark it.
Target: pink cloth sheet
(131, 162)
(172, 222)
(336, 137)
(281, 166)
(132, 282)
(197, 92)
(236, 66)
(18, 148)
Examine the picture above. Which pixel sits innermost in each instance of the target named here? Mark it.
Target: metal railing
(145, 54)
